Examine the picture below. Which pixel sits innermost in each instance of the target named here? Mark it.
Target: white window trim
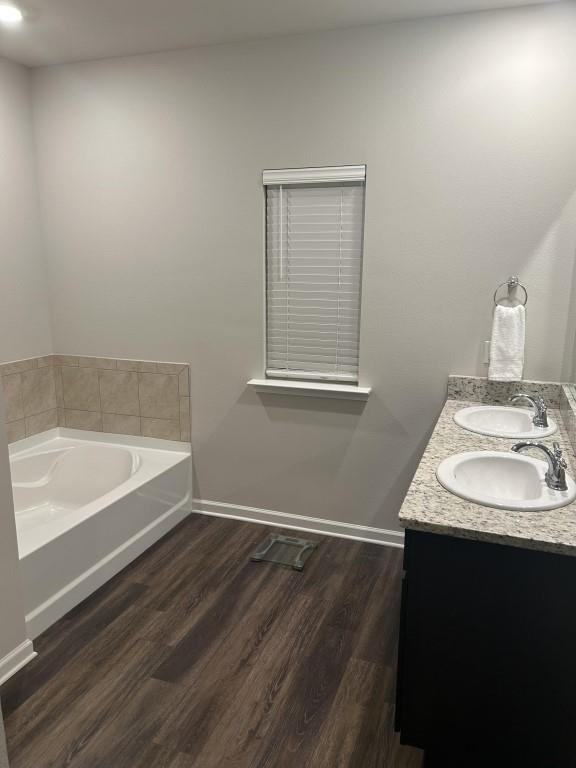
(310, 389)
(298, 386)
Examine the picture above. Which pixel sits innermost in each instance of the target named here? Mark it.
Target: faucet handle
(559, 456)
(555, 476)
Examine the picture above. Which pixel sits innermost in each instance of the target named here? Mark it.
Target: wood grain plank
(340, 732)
(193, 657)
(58, 650)
(213, 626)
(126, 741)
(172, 581)
(243, 726)
(200, 588)
(155, 560)
(212, 688)
(378, 636)
(84, 670)
(313, 688)
(318, 676)
(75, 727)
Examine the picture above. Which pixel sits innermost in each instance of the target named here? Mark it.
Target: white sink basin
(502, 421)
(502, 480)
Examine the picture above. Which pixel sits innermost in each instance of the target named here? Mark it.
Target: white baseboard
(16, 659)
(300, 522)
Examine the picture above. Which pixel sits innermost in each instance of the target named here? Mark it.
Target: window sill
(310, 389)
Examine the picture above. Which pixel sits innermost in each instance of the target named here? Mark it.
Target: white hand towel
(507, 346)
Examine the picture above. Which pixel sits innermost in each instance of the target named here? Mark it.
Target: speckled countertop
(429, 507)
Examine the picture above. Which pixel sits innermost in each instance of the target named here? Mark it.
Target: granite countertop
(429, 507)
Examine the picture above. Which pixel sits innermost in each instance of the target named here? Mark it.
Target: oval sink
(502, 480)
(502, 421)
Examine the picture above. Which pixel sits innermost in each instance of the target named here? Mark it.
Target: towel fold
(507, 345)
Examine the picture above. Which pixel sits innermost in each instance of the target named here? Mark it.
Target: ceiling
(57, 31)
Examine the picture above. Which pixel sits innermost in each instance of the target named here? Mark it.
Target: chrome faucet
(556, 475)
(541, 409)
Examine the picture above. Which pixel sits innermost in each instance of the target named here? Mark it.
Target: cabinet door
(489, 650)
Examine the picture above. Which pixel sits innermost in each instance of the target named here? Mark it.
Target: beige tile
(185, 432)
(144, 366)
(81, 389)
(83, 420)
(12, 391)
(121, 425)
(150, 366)
(59, 388)
(104, 363)
(38, 391)
(159, 396)
(147, 366)
(127, 365)
(170, 367)
(15, 430)
(68, 360)
(61, 413)
(18, 366)
(167, 429)
(184, 381)
(184, 409)
(119, 392)
(185, 427)
(40, 422)
(46, 361)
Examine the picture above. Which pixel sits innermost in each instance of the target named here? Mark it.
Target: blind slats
(314, 244)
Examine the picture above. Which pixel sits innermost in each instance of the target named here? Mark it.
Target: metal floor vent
(284, 550)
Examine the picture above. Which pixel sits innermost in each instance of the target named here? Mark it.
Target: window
(314, 239)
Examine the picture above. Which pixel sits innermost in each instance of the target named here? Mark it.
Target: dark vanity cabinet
(487, 654)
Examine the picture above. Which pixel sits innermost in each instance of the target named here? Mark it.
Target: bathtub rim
(27, 443)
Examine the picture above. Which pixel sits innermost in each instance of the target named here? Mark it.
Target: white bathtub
(86, 505)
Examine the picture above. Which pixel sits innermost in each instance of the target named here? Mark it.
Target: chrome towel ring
(513, 283)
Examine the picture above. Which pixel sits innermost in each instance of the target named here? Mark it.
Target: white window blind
(314, 238)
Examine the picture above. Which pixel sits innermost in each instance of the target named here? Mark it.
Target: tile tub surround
(129, 397)
(478, 389)
(429, 507)
(30, 402)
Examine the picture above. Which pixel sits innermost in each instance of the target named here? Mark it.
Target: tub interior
(65, 475)
(60, 481)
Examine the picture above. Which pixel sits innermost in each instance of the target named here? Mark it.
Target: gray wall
(24, 318)
(24, 312)
(152, 208)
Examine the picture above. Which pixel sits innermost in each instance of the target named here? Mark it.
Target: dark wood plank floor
(194, 657)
